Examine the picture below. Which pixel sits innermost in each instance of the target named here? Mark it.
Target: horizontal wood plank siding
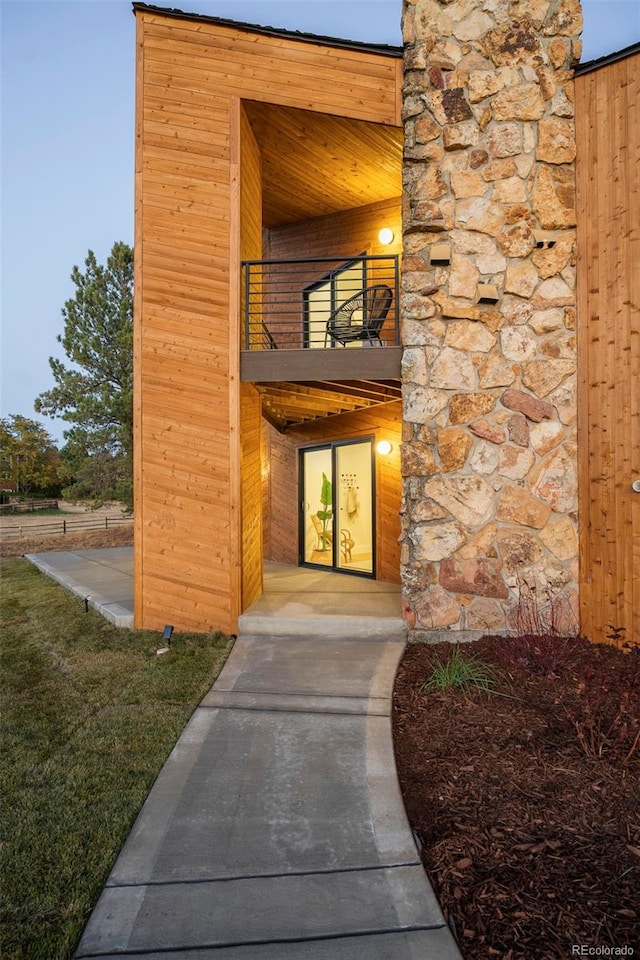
(383, 422)
(271, 69)
(250, 419)
(197, 431)
(608, 200)
(183, 372)
(342, 234)
(251, 496)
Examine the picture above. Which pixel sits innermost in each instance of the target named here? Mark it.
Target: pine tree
(95, 394)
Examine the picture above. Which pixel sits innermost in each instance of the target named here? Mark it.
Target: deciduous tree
(29, 458)
(95, 393)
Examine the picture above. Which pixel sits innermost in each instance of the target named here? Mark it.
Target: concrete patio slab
(104, 577)
(320, 603)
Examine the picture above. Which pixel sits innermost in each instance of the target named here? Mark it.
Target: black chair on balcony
(361, 317)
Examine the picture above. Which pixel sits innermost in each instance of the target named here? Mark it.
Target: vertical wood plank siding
(383, 422)
(608, 201)
(188, 457)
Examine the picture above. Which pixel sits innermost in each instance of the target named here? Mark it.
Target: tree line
(92, 392)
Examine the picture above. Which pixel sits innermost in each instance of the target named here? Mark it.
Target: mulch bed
(530, 839)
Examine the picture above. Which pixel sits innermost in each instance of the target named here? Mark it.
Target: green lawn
(90, 714)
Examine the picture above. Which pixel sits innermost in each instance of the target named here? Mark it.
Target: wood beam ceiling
(287, 404)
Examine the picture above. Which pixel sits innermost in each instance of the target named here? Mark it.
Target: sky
(66, 149)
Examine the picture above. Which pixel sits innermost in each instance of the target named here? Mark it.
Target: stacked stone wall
(489, 455)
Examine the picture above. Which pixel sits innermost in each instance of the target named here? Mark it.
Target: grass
(459, 672)
(90, 715)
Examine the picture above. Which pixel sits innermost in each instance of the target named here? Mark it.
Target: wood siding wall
(342, 234)
(608, 202)
(191, 76)
(383, 422)
(250, 419)
(251, 495)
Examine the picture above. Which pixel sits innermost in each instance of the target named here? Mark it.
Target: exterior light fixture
(385, 236)
(166, 636)
(384, 448)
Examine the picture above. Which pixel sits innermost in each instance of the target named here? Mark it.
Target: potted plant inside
(325, 515)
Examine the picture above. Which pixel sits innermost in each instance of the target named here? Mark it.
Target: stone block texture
(489, 382)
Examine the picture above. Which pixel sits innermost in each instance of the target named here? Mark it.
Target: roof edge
(606, 60)
(382, 49)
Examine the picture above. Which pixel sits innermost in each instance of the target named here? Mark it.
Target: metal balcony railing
(320, 303)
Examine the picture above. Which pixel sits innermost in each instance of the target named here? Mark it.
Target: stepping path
(276, 829)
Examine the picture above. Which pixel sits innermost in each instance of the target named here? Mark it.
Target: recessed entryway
(305, 601)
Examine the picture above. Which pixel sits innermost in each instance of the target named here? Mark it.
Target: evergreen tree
(95, 394)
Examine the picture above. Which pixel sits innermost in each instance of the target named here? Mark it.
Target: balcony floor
(338, 363)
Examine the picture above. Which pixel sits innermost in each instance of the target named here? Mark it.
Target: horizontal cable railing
(320, 303)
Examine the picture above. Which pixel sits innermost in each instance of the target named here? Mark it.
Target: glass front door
(337, 527)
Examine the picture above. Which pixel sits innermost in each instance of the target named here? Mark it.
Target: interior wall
(281, 516)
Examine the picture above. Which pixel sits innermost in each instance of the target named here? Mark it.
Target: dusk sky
(67, 143)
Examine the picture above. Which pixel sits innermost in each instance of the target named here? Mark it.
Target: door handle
(635, 486)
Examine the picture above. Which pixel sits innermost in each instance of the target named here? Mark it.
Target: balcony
(320, 319)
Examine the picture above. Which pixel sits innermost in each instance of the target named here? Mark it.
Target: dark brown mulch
(531, 842)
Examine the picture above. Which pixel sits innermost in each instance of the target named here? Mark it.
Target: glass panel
(318, 305)
(354, 505)
(347, 283)
(317, 506)
(323, 297)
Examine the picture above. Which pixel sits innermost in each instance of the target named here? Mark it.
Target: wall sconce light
(384, 448)
(385, 236)
(487, 293)
(544, 239)
(441, 253)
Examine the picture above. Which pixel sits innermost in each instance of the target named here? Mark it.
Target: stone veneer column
(489, 449)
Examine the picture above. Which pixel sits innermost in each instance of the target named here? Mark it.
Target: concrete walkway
(276, 829)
